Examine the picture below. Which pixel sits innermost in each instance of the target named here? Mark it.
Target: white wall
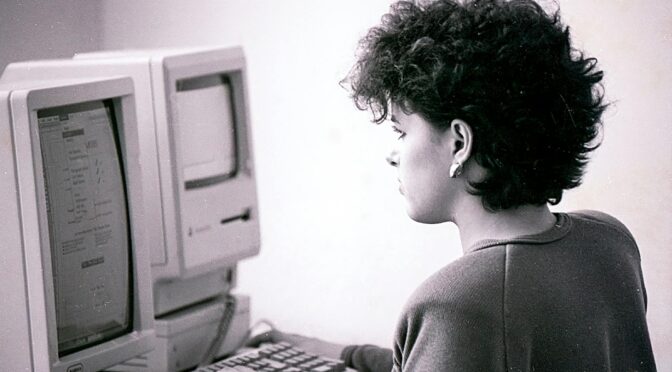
(339, 256)
(34, 29)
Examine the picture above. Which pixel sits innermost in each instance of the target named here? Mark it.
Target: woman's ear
(462, 140)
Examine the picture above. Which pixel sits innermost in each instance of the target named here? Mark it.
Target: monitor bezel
(31, 183)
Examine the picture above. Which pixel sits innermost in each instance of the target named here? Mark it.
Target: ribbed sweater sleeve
(367, 358)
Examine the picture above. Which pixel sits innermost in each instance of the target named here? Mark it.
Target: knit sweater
(569, 299)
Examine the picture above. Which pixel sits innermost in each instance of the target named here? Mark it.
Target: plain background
(339, 255)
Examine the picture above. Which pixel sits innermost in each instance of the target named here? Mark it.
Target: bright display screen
(206, 127)
(87, 213)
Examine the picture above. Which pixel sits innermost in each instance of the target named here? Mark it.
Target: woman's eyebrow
(393, 119)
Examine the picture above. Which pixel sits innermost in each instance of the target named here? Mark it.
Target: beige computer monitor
(75, 270)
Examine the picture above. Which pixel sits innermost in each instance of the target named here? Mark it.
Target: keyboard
(277, 357)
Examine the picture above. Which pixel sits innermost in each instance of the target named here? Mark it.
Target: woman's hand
(309, 344)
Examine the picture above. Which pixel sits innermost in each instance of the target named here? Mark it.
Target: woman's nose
(393, 158)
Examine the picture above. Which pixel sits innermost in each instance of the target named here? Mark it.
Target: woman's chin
(426, 217)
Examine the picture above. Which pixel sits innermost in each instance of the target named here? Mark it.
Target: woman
(496, 115)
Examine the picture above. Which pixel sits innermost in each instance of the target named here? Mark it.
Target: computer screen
(207, 129)
(76, 292)
(88, 223)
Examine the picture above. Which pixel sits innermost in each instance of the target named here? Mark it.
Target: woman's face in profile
(422, 157)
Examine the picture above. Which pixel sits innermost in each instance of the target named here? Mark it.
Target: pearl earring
(455, 170)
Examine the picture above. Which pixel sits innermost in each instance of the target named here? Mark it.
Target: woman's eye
(401, 134)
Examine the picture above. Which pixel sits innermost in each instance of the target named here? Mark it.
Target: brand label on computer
(76, 368)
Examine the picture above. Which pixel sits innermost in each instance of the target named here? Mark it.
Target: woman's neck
(476, 223)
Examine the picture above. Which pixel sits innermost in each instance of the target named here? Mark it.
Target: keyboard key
(247, 358)
(266, 352)
(310, 365)
(274, 363)
(293, 352)
(277, 357)
(322, 369)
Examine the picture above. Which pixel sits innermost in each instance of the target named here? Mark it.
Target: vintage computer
(198, 176)
(209, 199)
(76, 288)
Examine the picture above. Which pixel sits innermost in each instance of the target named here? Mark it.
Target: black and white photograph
(336, 186)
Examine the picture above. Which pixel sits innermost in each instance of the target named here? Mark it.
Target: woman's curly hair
(506, 68)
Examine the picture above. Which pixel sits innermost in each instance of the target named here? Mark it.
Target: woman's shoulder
(471, 281)
(600, 220)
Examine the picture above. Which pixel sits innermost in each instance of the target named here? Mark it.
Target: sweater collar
(562, 226)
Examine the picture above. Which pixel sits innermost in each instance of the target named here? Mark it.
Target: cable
(222, 330)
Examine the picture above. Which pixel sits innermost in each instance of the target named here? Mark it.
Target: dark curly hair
(505, 67)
